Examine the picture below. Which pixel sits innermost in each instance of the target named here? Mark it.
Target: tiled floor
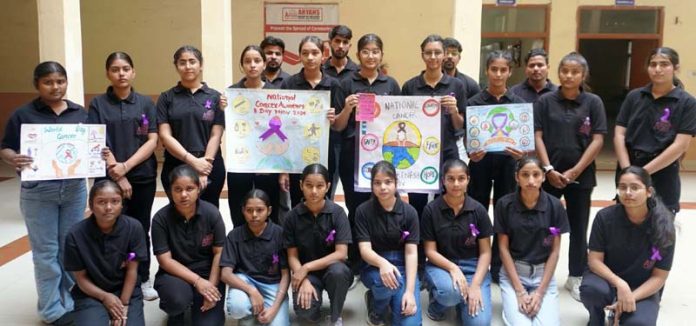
(18, 295)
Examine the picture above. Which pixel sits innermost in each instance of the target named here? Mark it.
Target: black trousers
(336, 280)
(139, 206)
(239, 184)
(596, 293)
(177, 296)
(295, 191)
(90, 311)
(578, 202)
(216, 179)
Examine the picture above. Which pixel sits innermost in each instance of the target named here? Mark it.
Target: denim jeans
(50, 209)
(384, 297)
(239, 305)
(530, 277)
(439, 283)
(90, 311)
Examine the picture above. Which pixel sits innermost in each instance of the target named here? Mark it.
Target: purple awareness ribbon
(208, 104)
(474, 231)
(665, 115)
(404, 235)
(554, 231)
(274, 128)
(131, 256)
(655, 254)
(330, 238)
(276, 259)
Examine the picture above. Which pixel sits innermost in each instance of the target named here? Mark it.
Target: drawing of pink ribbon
(274, 128)
(330, 238)
(665, 115)
(404, 235)
(276, 259)
(474, 231)
(131, 256)
(655, 254)
(208, 104)
(554, 231)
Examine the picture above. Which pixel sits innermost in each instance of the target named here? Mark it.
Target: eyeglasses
(633, 188)
(433, 53)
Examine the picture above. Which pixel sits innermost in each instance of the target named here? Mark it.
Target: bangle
(196, 282)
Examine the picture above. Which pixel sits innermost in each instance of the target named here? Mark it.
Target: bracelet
(196, 282)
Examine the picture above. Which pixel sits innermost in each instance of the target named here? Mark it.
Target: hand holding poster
(405, 131)
(273, 130)
(494, 127)
(63, 151)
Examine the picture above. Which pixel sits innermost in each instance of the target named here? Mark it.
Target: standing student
(387, 231)
(569, 128)
(187, 238)
(453, 54)
(537, 82)
(50, 207)
(529, 223)
(252, 63)
(311, 77)
(339, 65)
(433, 82)
(368, 79)
(274, 50)
(631, 252)
(655, 126)
(103, 253)
(317, 235)
(254, 265)
(456, 231)
(131, 138)
(191, 126)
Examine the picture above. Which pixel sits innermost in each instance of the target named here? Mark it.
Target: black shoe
(177, 320)
(432, 315)
(373, 318)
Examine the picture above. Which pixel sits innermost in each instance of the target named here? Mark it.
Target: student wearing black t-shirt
(274, 50)
(453, 54)
(456, 232)
(655, 126)
(191, 125)
(255, 267)
(537, 82)
(388, 233)
(131, 138)
(103, 253)
(631, 252)
(317, 235)
(529, 224)
(187, 238)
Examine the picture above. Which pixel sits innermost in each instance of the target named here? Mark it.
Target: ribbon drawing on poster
(494, 127)
(405, 131)
(273, 130)
(63, 151)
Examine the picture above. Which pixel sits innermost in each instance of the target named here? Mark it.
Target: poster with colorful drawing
(494, 127)
(406, 132)
(63, 151)
(273, 130)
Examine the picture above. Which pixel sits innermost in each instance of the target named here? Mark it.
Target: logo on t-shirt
(207, 240)
(553, 232)
(654, 257)
(275, 264)
(664, 125)
(586, 127)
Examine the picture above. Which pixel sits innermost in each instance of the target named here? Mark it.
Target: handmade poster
(63, 151)
(494, 127)
(405, 131)
(274, 130)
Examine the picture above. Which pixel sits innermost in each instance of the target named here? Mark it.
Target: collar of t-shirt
(487, 97)
(266, 235)
(302, 210)
(547, 87)
(115, 99)
(324, 82)
(39, 105)
(180, 218)
(579, 99)
(541, 205)
(445, 80)
(359, 78)
(674, 93)
(96, 233)
(204, 88)
(625, 221)
(442, 205)
(350, 65)
(240, 84)
(397, 210)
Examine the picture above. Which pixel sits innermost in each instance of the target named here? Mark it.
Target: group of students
(319, 247)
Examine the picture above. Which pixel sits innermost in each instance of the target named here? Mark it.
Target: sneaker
(373, 318)
(149, 292)
(432, 315)
(338, 322)
(356, 280)
(573, 286)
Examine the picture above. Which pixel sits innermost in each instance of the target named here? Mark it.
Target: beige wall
(150, 31)
(19, 45)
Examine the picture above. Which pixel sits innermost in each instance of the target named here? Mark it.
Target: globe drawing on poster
(404, 131)
(494, 127)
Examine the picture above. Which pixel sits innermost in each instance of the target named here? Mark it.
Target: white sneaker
(573, 286)
(149, 293)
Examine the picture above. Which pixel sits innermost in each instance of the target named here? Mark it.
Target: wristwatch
(548, 168)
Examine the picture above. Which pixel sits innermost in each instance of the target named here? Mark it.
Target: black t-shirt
(191, 116)
(128, 123)
(627, 247)
(104, 256)
(470, 85)
(278, 80)
(529, 94)
(355, 83)
(529, 230)
(266, 84)
(37, 111)
(190, 242)
(568, 127)
(261, 258)
(387, 231)
(347, 71)
(316, 237)
(446, 86)
(653, 124)
(456, 236)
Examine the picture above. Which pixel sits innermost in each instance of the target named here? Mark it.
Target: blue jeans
(50, 209)
(530, 277)
(445, 295)
(385, 297)
(239, 305)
